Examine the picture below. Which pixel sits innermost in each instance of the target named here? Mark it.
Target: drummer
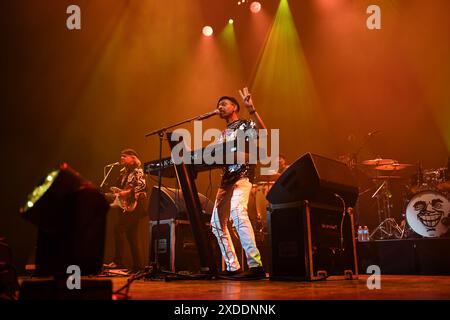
(274, 175)
(282, 164)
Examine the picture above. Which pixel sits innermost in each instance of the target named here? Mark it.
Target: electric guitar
(127, 203)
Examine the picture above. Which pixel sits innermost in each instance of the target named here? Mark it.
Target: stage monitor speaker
(70, 214)
(176, 248)
(311, 242)
(172, 205)
(315, 178)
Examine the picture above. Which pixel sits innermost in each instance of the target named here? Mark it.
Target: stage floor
(392, 288)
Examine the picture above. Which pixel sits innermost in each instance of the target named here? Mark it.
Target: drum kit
(427, 200)
(428, 207)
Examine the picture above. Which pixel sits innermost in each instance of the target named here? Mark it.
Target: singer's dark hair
(232, 99)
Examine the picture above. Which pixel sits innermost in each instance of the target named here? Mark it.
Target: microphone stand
(155, 268)
(353, 166)
(106, 175)
(161, 131)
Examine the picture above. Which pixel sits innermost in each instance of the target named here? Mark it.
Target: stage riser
(406, 257)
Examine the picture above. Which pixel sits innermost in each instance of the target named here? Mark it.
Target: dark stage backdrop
(316, 72)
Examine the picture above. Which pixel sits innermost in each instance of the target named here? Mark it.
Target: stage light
(207, 31)
(231, 21)
(255, 7)
(40, 190)
(70, 214)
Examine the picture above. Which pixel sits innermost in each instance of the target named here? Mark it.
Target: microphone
(373, 133)
(112, 164)
(208, 115)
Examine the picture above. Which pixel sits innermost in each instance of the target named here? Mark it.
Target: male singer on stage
(233, 194)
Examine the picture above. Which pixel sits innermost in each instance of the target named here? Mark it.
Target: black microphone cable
(342, 220)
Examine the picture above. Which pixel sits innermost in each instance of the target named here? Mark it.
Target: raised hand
(247, 98)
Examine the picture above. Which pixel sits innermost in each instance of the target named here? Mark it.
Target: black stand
(155, 269)
(185, 178)
(194, 210)
(353, 163)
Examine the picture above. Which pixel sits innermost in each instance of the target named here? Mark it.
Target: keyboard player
(233, 194)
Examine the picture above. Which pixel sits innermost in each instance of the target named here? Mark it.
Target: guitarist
(131, 226)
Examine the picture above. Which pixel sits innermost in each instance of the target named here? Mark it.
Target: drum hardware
(387, 177)
(378, 162)
(387, 227)
(394, 166)
(430, 179)
(364, 192)
(406, 230)
(435, 175)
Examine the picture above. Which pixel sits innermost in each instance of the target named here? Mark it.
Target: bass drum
(257, 206)
(262, 190)
(428, 214)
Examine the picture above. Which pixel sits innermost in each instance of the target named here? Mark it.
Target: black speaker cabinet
(81, 239)
(177, 251)
(308, 242)
(70, 214)
(315, 178)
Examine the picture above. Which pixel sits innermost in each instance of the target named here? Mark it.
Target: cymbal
(378, 162)
(394, 166)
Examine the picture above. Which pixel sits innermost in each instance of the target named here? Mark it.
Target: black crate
(177, 251)
(307, 244)
(427, 256)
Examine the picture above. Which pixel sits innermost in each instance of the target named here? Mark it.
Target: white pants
(231, 202)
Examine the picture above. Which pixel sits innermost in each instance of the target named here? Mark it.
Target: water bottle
(366, 234)
(360, 234)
